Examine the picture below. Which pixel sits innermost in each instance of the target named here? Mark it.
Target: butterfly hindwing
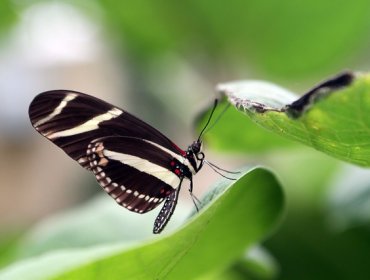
(135, 172)
(72, 120)
(166, 211)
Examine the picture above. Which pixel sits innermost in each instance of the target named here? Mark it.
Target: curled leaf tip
(298, 107)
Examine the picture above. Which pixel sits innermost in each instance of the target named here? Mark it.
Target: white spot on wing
(82, 160)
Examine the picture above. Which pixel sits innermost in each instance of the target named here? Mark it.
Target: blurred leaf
(7, 14)
(348, 199)
(333, 117)
(307, 248)
(8, 248)
(240, 214)
(108, 221)
(286, 37)
(305, 175)
(142, 25)
(256, 263)
(283, 38)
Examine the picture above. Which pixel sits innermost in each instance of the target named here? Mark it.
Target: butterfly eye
(200, 156)
(195, 147)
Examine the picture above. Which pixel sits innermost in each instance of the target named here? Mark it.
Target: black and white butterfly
(134, 163)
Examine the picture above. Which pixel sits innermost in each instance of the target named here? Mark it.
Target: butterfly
(134, 163)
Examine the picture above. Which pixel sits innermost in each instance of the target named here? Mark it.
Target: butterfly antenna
(209, 119)
(218, 172)
(218, 117)
(219, 168)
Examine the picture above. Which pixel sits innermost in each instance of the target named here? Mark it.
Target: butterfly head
(196, 148)
(195, 155)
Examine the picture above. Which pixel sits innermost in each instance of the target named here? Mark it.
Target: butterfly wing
(130, 159)
(72, 120)
(166, 211)
(134, 171)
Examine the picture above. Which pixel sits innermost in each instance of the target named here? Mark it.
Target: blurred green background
(161, 60)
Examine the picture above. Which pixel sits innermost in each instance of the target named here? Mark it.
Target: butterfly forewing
(72, 120)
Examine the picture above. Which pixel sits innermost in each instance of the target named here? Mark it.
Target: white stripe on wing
(146, 166)
(180, 158)
(57, 110)
(87, 126)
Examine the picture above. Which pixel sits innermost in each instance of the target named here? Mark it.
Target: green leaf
(237, 215)
(108, 221)
(333, 117)
(256, 263)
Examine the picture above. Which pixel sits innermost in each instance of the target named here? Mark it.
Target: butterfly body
(134, 163)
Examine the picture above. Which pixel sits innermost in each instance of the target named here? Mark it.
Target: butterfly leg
(166, 211)
(193, 197)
